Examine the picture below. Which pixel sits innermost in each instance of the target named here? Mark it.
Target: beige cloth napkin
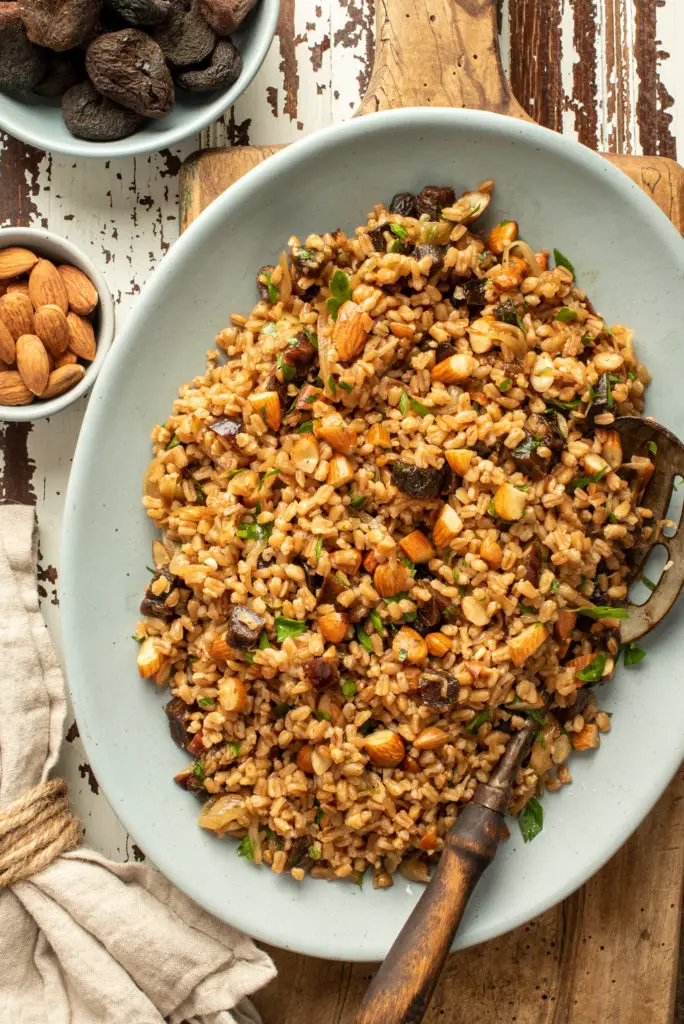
(87, 941)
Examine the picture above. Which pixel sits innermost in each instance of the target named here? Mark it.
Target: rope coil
(34, 830)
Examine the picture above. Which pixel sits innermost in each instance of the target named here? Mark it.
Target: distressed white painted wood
(125, 213)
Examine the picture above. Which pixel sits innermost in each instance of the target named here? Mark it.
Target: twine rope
(34, 830)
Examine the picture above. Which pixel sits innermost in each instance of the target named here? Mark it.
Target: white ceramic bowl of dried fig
(56, 323)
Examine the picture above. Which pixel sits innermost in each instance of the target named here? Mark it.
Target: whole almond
(80, 289)
(33, 363)
(67, 358)
(62, 379)
(18, 286)
(52, 327)
(46, 287)
(15, 261)
(16, 312)
(82, 337)
(8, 349)
(13, 391)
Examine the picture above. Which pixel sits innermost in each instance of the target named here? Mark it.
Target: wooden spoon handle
(438, 53)
(401, 990)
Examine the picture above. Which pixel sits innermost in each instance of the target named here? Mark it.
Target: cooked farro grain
(395, 522)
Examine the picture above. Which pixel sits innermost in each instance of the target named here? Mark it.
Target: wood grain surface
(608, 72)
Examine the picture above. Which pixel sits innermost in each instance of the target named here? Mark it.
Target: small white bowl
(39, 122)
(58, 250)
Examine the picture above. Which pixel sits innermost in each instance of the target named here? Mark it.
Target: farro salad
(395, 523)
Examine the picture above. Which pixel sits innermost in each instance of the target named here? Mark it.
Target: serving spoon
(402, 988)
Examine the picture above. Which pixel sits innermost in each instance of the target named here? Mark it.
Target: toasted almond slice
(522, 646)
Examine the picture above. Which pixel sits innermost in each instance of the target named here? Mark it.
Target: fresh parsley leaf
(648, 583)
(374, 616)
(138, 639)
(528, 446)
(313, 338)
(594, 670)
(411, 566)
(346, 385)
(198, 771)
(634, 654)
(322, 716)
(491, 509)
(254, 531)
(632, 375)
(305, 428)
(200, 493)
(367, 727)
(359, 879)
(584, 481)
(418, 407)
(206, 702)
(172, 443)
(280, 710)
(348, 688)
(234, 748)
(358, 501)
(402, 655)
(531, 820)
(318, 549)
(302, 254)
(603, 612)
(526, 609)
(340, 292)
(475, 723)
(563, 406)
(363, 638)
(273, 291)
(245, 849)
(319, 817)
(314, 852)
(289, 627)
(536, 715)
(403, 403)
(396, 246)
(409, 616)
(249, 657)
(332, 385)
(399, 230)
(401, 596)
(505, 386)
(563, 261)
(652, 447)
(269, 328)
(554, 586)
(565, 315)
(264, 642)
(289, 372)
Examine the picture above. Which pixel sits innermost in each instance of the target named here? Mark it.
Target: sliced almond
(447, 526)
(149, 658)
(340, 471)
(522, 646)
(475, 611)
(378, 436)
(459, 459)
(391, 578)
(8, 348)
(455, 369)
(232, 694)
(13, 391)
(33, 363)
(491, 553)
(408, 645)
(16, 312)
(509, 503)
(268, 404)
(52, 327)
(417, 547)
(81, 291)
(305, 453)
(438, 644)
(62, 379)
(15, 261)
(46, 287)
(82, 337)
(333, 626)
(333, 429)
(304, 762)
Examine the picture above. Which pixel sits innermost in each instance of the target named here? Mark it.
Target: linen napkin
(85, 940)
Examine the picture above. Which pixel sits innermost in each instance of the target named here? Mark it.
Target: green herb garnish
(175, 440)
(198, 771)
(363, 638)
(652, 447)
(565, 315)
(289, 372)
(401, 596)
(273, 292)
(418, 407)
(234, 748)
(526, 609)
(634, 654)
(505, 386)
(396, 246)
(402, 655)
(305, 428)
(289, 627)
(346, 385)
(367, 726)
(348, 688)
(603, 612)
(249, 657)
(632, 375)
(399, 230)
(358, 501)
(318, 549)
(322, 716)
(648, 583)
(374, 616)
(314, 852)
(594, 670)
(563, 406)
(563, 261)
(264, 642)
(245, 849)
(528, 446)
(340, 292)
(475, 723)
(403, 403)
(271, 472)
(531, 820)
(554, 586)
(332, 385)
(206, 702)
(319, 817)
(584, 481)
(411, 566)
(536, 716)
(138, 639)
(254, 531)
(280, 710)
(269, 328)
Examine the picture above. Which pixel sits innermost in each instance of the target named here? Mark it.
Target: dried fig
(91, 116)
(185, 37)
(22, 64)
(141, 12)
(59, 24)
(224, 69)
(128, 67)
(63, 71)
(224, 16)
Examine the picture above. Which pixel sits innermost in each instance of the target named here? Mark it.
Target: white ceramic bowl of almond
(56, 323)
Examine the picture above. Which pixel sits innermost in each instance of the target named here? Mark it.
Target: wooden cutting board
(609, 953)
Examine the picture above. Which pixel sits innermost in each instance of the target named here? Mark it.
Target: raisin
(128, 67)
(141, 12)
(433, 198)
(91, 116)
(224, 16)
(405, 204)
(224, 69)
(59, 24)
(63, 71)
(185, 37)
(322, 674)
(22, 64)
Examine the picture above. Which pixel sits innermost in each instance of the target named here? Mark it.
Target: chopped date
(437, 688)
(244, 627)
(533, 560)
(417, 482)
(299, 355)
(429, 616)
(178, 714)
(227, 429)
(299, 854)
(436, 253)
(89, 115)
(444, 351)
(433, 198)
(405, 204)
(223, 69)
(128, 67)
(377, 238)
(321, 673)
(472, 292)
(224, 16)
(307, 261)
